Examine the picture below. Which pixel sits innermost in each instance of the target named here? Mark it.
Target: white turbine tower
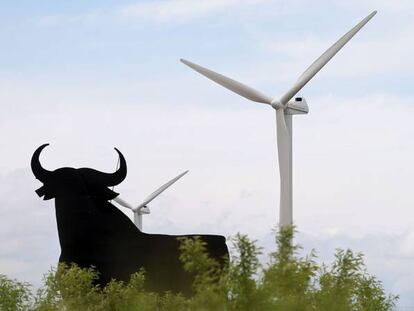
(142, 209)
(285, 108)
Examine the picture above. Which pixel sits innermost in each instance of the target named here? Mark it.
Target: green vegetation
(287, 282)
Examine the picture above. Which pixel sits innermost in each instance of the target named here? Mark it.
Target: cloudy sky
(86, 77)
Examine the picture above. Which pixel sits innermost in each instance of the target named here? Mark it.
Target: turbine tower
(142, 208)
(285, 107)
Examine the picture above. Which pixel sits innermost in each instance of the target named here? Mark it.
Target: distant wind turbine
(142, 209)
(285, 108)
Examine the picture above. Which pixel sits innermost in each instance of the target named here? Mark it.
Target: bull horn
(37, 169)
(121, 173)
(112, 179)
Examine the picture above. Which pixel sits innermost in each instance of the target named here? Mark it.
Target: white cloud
(28, 235)
(381, 5)
(46, 21)
(406, 247)
(178, 10)
(368, 54)
(342, 152)
(92, 16)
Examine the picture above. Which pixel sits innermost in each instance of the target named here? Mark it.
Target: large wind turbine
(285, 108)
(142, 208)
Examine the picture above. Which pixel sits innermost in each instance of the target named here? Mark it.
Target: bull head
(83, 181)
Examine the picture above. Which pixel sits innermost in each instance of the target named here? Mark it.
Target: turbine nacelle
(297, 106)
(143, 210)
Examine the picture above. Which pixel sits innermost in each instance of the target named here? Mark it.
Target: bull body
(94, 233)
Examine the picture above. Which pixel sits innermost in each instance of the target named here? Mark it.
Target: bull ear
(37, 169)
(45, 192)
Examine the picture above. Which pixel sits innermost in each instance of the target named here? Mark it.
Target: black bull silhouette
(93, 232)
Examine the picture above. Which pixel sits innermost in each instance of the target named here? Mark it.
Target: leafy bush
(14, 295)
(287, 282)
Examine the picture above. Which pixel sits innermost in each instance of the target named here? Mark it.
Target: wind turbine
(142, 209)
(285, 108)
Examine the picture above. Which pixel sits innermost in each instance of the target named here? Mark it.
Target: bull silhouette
(94, 233)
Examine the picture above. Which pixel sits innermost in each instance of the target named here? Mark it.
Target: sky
(89, 76)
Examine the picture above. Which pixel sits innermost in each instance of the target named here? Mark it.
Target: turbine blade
(323, 59)
(157, 192)
(123, 203)
(232, 85)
